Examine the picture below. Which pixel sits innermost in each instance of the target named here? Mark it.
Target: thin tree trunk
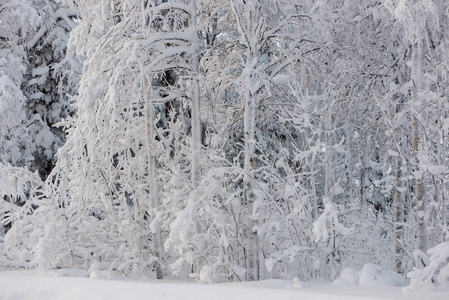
(248, 31)
(364, 181)
(196, 121)
(196, 118)
(398, 210)
(329, 187)
(422, 234)
(350, 165)
(252, 255)
(445, 164)
(156, 242)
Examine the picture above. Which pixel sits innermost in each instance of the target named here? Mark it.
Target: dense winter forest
(225, 140)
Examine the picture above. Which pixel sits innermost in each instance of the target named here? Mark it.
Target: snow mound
(373, 275)
(370, 275)
(100, 275)
(297, 284)
(348, 276)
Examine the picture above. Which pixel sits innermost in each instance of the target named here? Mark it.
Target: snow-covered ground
(70, 285)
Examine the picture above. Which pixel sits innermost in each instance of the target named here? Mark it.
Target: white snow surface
(74, 285)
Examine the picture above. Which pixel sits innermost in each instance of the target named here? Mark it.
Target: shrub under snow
(436, 272)
(370, 275)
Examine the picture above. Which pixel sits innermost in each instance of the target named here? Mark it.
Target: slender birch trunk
(444, 138)
(422, 234)
(252, 255)
(349, 164)
(329, 184)
(196, 118)
(248, 29)
(364, 181)
(398, 211)
(195, 113)
(156, 242)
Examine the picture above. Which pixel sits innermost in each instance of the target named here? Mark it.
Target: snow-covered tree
(35, 75)
(140, 82)
(424, 24)
(33, 46)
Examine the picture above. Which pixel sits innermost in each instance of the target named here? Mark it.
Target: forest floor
(71, 285)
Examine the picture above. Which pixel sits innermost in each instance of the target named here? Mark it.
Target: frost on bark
(252, 251)
(422, 234)
(195, 109)
(398, 221)
(249, 23)
(156, 241)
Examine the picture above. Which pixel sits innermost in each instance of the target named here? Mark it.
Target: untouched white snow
(16, 285)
